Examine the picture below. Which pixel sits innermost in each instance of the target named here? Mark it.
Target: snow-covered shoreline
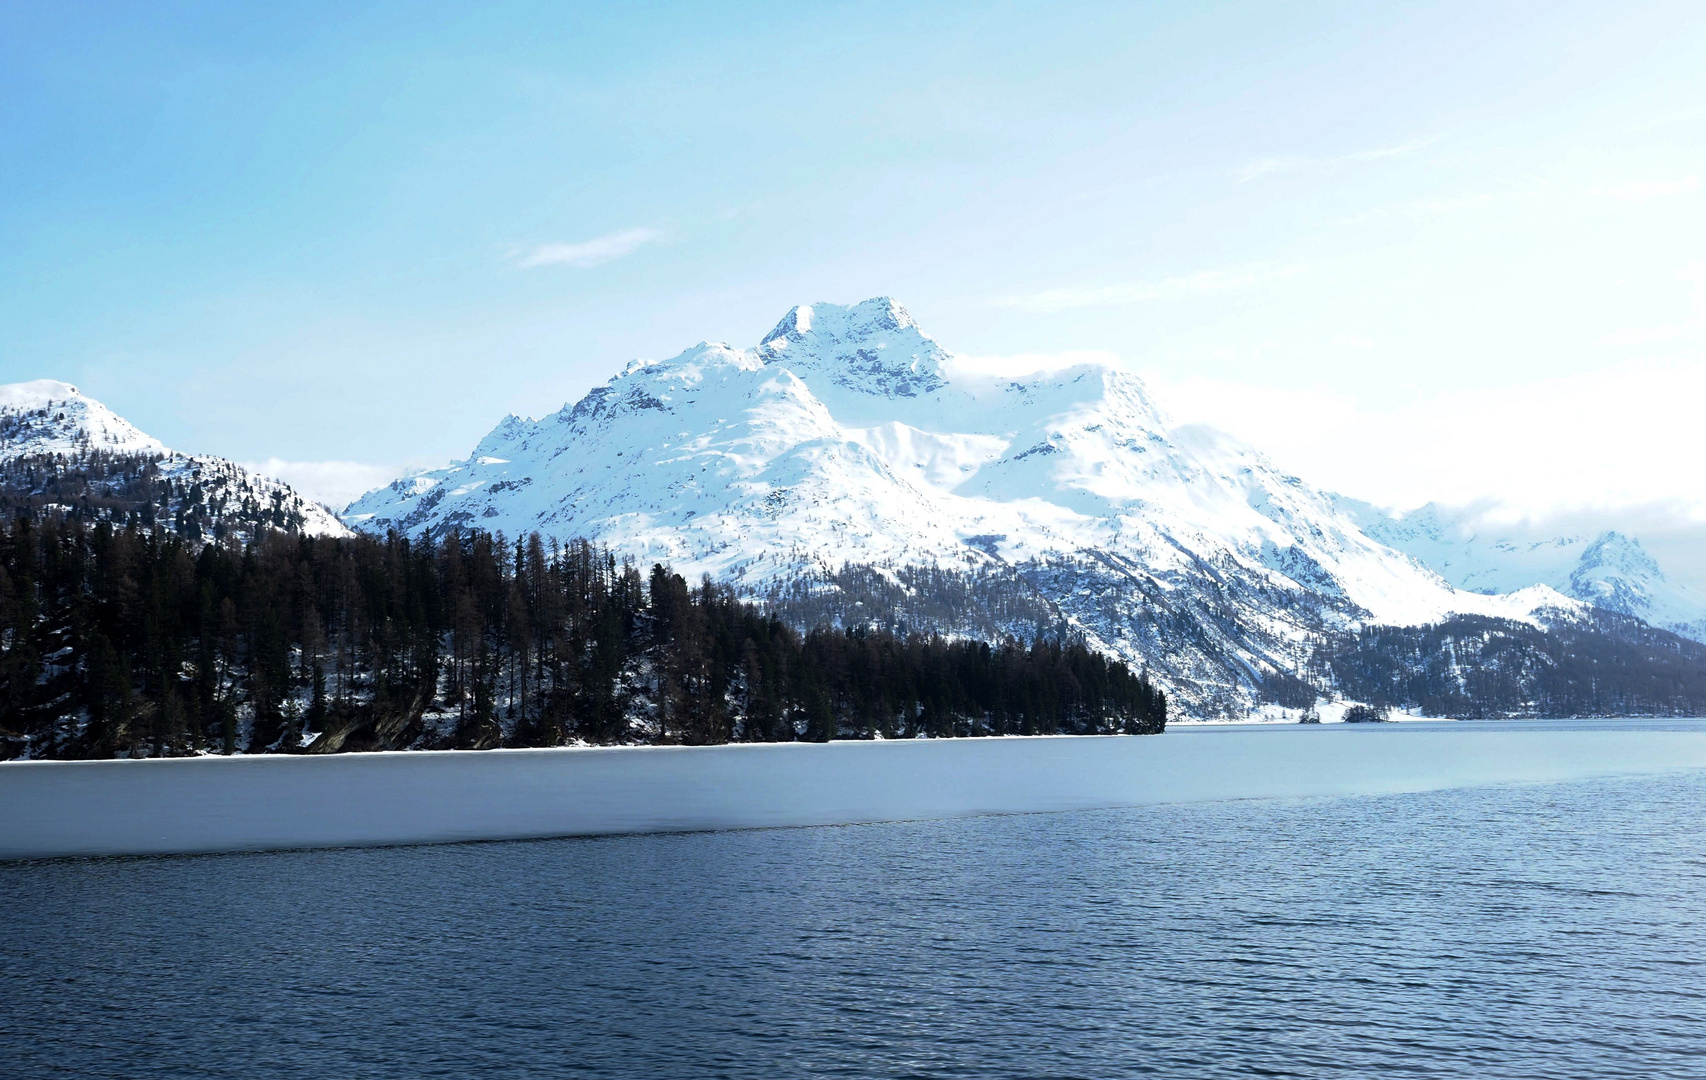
(54, 808)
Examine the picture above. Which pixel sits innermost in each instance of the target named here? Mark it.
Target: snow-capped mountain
(50, 417)
(1606, 569)
(849, 436)
(64, 452)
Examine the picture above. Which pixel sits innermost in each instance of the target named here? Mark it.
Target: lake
(1539, 930)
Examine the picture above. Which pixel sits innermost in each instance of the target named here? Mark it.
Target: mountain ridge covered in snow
(848, 436)
(46, 416)
(63, 452)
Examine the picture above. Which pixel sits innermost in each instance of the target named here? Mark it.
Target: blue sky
(359, 234)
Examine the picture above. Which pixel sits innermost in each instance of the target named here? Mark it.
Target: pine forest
(138, 642)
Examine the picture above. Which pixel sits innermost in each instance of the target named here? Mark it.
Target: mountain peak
(853, 322)
(50, 418)
(873, 347)
(46, 416)
(1612, 552)
(36, 393)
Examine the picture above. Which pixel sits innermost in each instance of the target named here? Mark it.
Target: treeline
(136, 641)
(1474, 667)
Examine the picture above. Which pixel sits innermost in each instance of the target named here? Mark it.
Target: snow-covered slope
(1606, 569)
(50, 417)
(848, 435)
(60, 449)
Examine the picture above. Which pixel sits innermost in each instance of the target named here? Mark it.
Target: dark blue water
(1554, 931)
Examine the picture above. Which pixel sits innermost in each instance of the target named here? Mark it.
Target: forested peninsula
(135, 642)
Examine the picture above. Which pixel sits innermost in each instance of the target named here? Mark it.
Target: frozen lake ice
(51, 809)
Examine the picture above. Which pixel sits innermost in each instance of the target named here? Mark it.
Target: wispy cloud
(594, 252)
(1689, 329)
(1265, 166)
(1351, 341)
(1258, 169)
(1012, 365)
(1646, 335)
(335, 483)
(1642, 190)
(1378, 152)
(1681, 116)
(1435, 206)
(1124, 294)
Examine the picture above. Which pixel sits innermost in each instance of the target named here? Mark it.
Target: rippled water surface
(1546, 931)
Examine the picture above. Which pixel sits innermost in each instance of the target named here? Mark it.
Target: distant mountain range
(1606, 569)
(849, 469)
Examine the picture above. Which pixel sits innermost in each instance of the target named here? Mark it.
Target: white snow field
(180, 805)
